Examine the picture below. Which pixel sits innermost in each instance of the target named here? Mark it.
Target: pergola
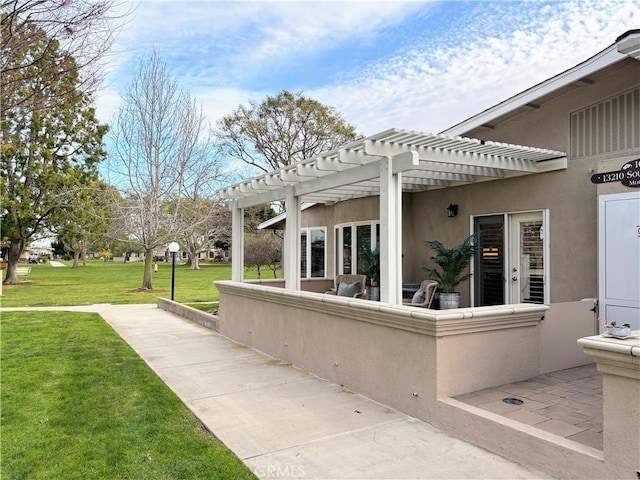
(386, 164)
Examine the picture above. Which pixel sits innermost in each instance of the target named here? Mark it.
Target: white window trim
(339, 229)
(307, 253)
(507, 251)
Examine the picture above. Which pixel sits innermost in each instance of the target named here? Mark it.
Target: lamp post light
(173, 248)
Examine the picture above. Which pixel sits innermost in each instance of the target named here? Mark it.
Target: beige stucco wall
(405, 357)
(414, 360)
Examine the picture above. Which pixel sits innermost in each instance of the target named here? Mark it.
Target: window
(312, 249)
(512, 264)
(366, 236)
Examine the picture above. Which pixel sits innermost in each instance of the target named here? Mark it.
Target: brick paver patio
(567, 403)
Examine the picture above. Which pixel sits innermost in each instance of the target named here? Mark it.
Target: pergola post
(291, 254)
(390, 233)
(237, 242)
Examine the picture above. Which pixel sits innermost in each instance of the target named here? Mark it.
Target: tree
(47, 153)
(255, 215)
(204, 223)
(263, 249)
(85, 224)
(84, 29)
(283, 130)
(163, 156)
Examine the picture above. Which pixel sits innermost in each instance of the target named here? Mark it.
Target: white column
(291, 254)
(390, 233)
(237, 242)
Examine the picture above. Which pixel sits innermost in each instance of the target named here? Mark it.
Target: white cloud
(478, 57)
(434, 89)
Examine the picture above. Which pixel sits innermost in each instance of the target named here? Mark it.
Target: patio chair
(349, 286)
(425, 294)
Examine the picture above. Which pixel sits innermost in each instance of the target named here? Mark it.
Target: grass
(116, 283)
(77, 402)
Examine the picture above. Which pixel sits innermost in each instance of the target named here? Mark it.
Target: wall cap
(419, 320)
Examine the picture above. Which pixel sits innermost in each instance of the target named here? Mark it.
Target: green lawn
(114, 282)
(77, 402)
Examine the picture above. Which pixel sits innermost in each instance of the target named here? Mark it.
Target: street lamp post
(173, 248)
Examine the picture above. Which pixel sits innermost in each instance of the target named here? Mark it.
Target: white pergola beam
(338, 179)
(440, 155)
(354, 157)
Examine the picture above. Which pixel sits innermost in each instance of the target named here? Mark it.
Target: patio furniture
(424, 296)
(349, 286)
(408, 291)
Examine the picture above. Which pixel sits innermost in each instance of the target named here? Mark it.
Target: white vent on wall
(607, 127)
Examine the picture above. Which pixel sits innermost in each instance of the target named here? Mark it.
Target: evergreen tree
(46, 152)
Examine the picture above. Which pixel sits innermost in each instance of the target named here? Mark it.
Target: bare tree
(203, 224)
(263, 250)
(164, 151)
(84, 29)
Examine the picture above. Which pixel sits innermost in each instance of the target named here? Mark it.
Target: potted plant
(450, 265)
(371, 268)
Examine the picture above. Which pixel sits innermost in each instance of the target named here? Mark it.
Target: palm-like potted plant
(450, 265)
(371, 268)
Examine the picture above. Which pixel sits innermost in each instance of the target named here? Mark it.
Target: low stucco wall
(193, 314)
(402, 356)
(415, 360)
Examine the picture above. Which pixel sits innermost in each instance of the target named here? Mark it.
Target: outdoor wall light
(452, 210)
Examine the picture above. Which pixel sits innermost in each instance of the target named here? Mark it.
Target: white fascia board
(601, 60)
(282, 216)
(629, 44)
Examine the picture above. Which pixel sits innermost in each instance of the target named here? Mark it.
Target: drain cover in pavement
(512, 401)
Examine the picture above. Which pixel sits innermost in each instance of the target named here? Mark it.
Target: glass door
(510, 265)
(526, 269)
(489, 275)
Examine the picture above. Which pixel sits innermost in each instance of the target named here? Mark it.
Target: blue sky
(407, 64)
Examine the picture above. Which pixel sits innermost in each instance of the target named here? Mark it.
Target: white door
(526, 268)
(619, 258)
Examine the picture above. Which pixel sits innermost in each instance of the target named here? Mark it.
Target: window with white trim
(313, 261)
(350, 238)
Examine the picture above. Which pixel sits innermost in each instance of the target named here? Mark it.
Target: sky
(418, 65)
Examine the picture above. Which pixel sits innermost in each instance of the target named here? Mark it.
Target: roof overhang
(277, 222)
(426, 161)
(629, 43)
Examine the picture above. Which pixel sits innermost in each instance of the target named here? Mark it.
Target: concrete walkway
(286, 423)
